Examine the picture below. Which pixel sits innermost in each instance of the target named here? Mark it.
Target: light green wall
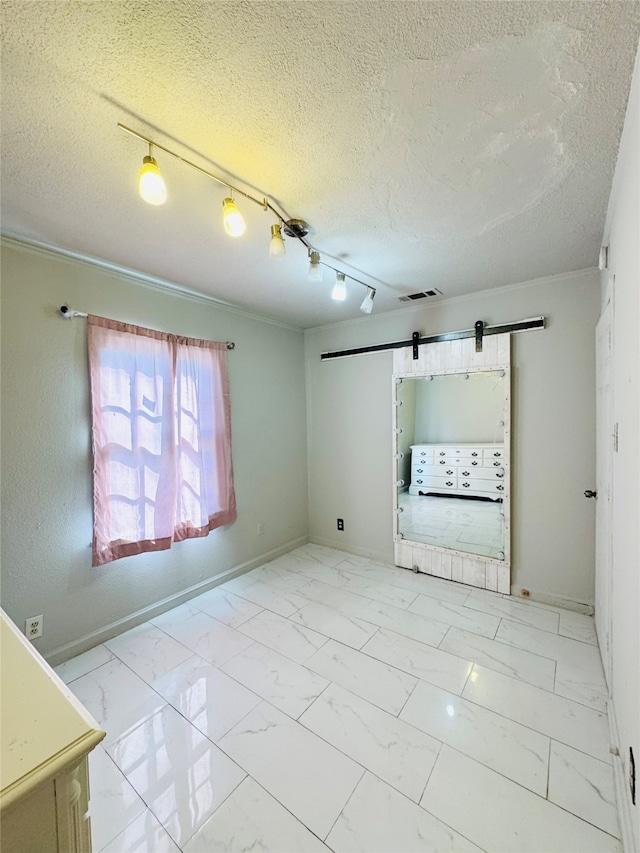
(553, 428)
(46, 456)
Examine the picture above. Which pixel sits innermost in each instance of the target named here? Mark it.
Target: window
(161, 436)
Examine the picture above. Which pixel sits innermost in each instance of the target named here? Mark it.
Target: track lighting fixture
(153, 190)
(233, 222)
(276, 247)
(367, 302)
(339, 292)
(315, 270)
(150, 182)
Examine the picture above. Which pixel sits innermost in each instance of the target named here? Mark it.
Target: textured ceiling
(450, 145)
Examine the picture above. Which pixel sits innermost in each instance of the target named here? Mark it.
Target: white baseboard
(88, 641)
(380, 556)
(630, 841)
(553, 599)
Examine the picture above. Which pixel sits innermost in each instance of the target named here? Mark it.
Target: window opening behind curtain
(161, 435)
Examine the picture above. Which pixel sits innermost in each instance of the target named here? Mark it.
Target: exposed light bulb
(367, 302)
(150, 182)
(234, 224)
(315, 269)
(339, 292)
(277, 248)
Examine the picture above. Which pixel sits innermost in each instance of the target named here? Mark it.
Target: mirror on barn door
(451, 456)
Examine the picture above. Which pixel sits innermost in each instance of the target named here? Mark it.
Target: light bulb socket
(151, 185)
(339, 292)
(276, 248)
(315, 270)
(367, 302)
(234, 224)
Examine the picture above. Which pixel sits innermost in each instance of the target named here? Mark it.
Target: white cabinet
(45, 738)
(458, 469)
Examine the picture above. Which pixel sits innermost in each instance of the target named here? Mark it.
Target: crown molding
(142, 279)
(451, 300)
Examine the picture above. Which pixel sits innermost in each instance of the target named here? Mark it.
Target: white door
(604, 450)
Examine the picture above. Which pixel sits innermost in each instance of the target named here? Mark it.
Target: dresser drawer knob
(419, 482)
(499, 475)
(449, 472)
(474, 454)
(474, 463)
(496, 464)
(420, 470)
(497, 454)
(466, 485)
(442, 462)
(448, 483)
(442, 453)
(466, 473)
(500, 488)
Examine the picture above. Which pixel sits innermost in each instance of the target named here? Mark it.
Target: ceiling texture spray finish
(450, 145)
(482, 131)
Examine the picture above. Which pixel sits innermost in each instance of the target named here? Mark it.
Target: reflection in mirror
(452, 463)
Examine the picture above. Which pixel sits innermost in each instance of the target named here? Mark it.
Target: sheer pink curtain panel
(161, 434)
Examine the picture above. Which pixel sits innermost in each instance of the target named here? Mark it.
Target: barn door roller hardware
(478, 332)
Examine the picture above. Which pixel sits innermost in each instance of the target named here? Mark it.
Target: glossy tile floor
(472, 526)
(328, 702)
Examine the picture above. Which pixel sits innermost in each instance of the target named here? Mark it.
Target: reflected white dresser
(45, 737)
(458, 469)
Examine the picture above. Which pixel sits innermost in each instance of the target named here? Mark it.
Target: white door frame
(604, 466)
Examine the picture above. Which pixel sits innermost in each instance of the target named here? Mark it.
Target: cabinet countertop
(44, 727)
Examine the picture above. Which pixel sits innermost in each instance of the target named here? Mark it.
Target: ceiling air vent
(422, 295)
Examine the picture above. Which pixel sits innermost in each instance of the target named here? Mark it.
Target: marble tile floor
(326, 701)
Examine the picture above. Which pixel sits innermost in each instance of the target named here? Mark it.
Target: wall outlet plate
(34, 626)
(341, 524)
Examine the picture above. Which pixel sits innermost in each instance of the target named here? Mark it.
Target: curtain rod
(479, 330)
(68, 314)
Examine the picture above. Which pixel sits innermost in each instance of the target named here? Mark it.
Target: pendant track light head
(277, 249)
(367, 302)
(150, 182)
(339, 292)
(234, 224)
(315, 269)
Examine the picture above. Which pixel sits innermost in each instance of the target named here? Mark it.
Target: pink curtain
(161, 438)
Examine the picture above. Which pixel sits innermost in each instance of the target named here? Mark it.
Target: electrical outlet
(525, 593)
(260, 528)
(34, 626)
(341, 524)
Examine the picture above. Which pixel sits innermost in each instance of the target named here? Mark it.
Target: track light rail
(264, 203)
(292, 227)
